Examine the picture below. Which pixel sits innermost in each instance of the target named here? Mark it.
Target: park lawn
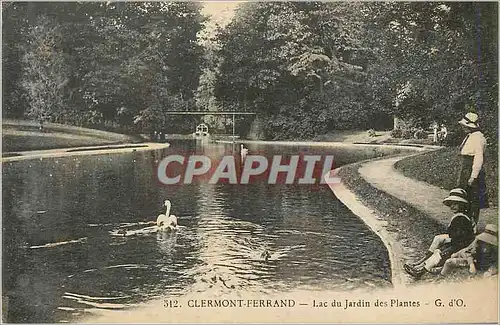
(441, 167)
(22, 135)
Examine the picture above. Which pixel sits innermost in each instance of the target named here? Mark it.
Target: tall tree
(109, 62)
(14, 25)
(437, 58)
(289, 60)
(45, 71)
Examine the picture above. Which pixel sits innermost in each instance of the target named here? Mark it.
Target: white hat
(456, 195)
(470, 120)
(489, 235)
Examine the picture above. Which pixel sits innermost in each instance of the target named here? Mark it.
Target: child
(481, 255)
(459, 234)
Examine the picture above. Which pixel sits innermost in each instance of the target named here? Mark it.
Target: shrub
(407, 134)
(396, 133)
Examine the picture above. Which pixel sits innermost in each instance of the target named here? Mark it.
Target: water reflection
(61, 261)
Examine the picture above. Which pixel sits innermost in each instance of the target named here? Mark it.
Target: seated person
(481, 255)
(459, 234)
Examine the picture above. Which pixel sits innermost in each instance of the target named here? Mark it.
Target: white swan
(243, 151)
(166, 221)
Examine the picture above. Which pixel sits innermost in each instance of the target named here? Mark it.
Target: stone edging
(84, 151)
(377, 225)
(376, 222)
(335, 144)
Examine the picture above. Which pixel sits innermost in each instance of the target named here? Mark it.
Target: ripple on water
(311, 241)
(66, 242)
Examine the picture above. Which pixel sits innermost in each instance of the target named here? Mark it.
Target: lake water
(61, 260)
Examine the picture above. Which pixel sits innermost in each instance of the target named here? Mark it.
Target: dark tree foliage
(115, 64)
(306, 68)
(298, 63)
(440, 59)
(313, 67)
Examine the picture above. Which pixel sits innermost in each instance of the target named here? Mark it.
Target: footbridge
(209, 113)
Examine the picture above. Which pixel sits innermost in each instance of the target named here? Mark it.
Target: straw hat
(456, 195)
(489, 235)
(470, 120)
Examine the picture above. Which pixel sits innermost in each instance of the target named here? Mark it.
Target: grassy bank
(414, 229)
(22, 135)
(441, 167)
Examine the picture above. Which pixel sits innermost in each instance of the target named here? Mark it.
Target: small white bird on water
(167, 222)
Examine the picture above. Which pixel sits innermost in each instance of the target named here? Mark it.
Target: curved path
(425, 197)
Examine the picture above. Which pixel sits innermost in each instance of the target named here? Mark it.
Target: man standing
(443, 133)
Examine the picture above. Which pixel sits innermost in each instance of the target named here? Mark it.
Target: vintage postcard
(249, 162)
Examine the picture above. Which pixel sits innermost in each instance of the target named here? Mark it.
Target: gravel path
(426, 197)
(405, 213)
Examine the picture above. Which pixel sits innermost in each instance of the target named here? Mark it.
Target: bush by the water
(441, 168)
(408, 133)
(396, 133)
